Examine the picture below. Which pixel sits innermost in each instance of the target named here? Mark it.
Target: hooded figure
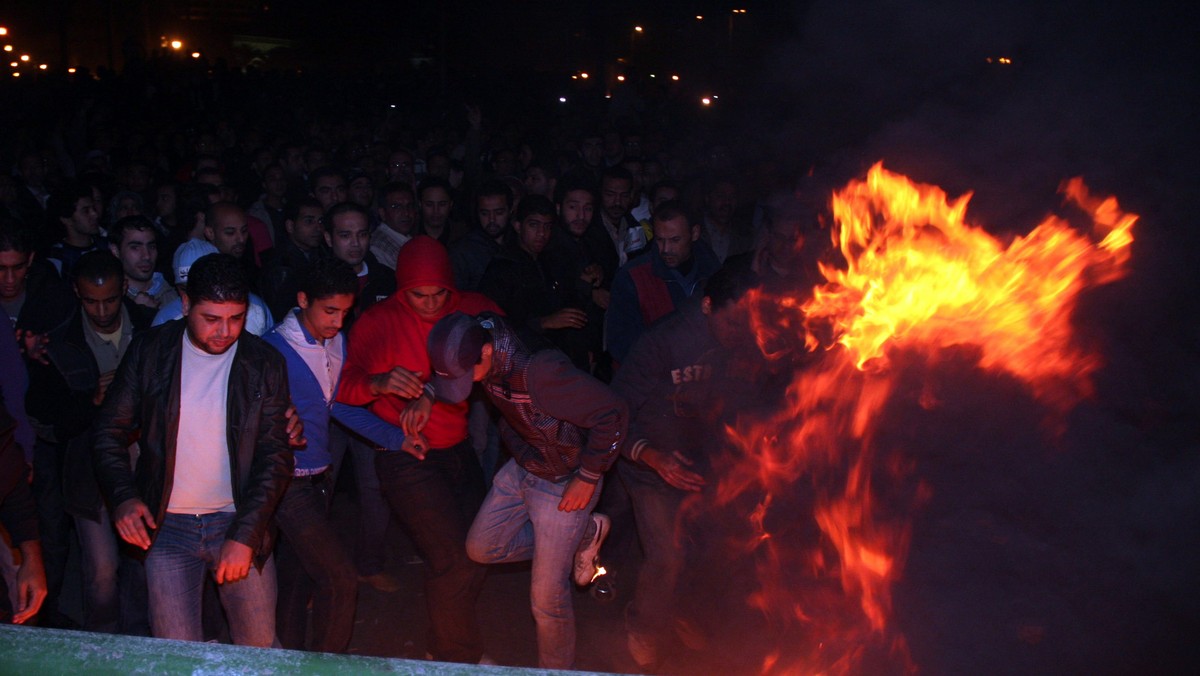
(394, 333)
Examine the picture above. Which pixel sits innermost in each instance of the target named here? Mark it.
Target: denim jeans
(656, 510)
(114, 585)
(313, 565)
(369, 547)
(186, 550)
(436, 499)
(520, 521)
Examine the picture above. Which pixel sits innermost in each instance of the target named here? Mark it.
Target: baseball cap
(455, 346)
(189, 252)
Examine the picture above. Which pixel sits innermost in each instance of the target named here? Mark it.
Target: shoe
(643, 651)
(384, 582)
(587, 554)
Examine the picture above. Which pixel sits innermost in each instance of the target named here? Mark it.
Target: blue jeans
(114, 585)
(369, 548)
(436, 499)
(188, 548)
(520, 521)
(313, 565)
(656, 509)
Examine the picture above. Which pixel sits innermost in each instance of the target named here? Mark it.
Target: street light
(620, 78)
(3, 30)
(8, 48)
(675, 78)
(43, 66)
(176, 44)
(24, 57)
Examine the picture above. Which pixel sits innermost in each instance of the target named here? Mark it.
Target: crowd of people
(505, 325)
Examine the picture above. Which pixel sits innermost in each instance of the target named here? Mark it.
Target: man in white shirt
(207, 404)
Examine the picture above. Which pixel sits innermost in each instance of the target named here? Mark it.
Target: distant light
(1005, 59)
(653, 75)
(195, 55)
(576, 77)
(24, 57)
(8, 48)
(620, 78)
(16, 74)
(637, 28)
(70, 70)
(699, 17)
(392, 105)
(739, 11)
(176, 44)
(3, 30)
(14, 64)
(562, 99)
(43, 66)
(608, 96)
(706, 101)
(583, 75)
(675, 78)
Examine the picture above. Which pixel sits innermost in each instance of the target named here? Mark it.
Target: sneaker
(642, 650)
(589, 549)
(384, 582)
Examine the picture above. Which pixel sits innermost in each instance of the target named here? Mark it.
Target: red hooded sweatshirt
(391, 333)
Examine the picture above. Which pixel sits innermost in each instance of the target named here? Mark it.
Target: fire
(915, 279)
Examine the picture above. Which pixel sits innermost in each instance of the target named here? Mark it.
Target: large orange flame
(914, 277)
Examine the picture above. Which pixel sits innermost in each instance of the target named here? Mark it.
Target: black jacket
(143, 405)
(60, 398)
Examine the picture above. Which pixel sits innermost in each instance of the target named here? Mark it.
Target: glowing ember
(915, 279)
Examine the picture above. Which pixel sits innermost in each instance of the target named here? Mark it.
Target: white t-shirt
(203, 480)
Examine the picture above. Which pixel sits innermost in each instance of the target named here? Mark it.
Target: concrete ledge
(40, 652)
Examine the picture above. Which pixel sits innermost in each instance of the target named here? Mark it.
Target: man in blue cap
(564, 429)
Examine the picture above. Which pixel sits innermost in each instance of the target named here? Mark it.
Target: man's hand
(102, 387)
(577, 495)
(235, 561)
(295, 428)
(132, 518)
(593, 274)
(416, 446)
(143, 298)
(416, 414)
(673, 468)
(31, 582)
(566, 318)
(399, 381)
(601, 297)
(33, 345)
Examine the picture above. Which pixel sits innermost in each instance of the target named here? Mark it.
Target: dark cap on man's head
(455, 347)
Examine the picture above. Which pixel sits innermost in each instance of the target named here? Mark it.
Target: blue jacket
(310, 402)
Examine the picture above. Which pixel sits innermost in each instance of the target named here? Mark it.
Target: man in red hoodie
(436, 488)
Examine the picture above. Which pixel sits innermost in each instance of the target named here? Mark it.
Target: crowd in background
(582, 226)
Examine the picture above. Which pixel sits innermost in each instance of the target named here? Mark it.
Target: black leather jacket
(142, 404)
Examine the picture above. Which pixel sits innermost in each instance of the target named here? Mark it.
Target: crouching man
(207, 404)
(563, 429)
